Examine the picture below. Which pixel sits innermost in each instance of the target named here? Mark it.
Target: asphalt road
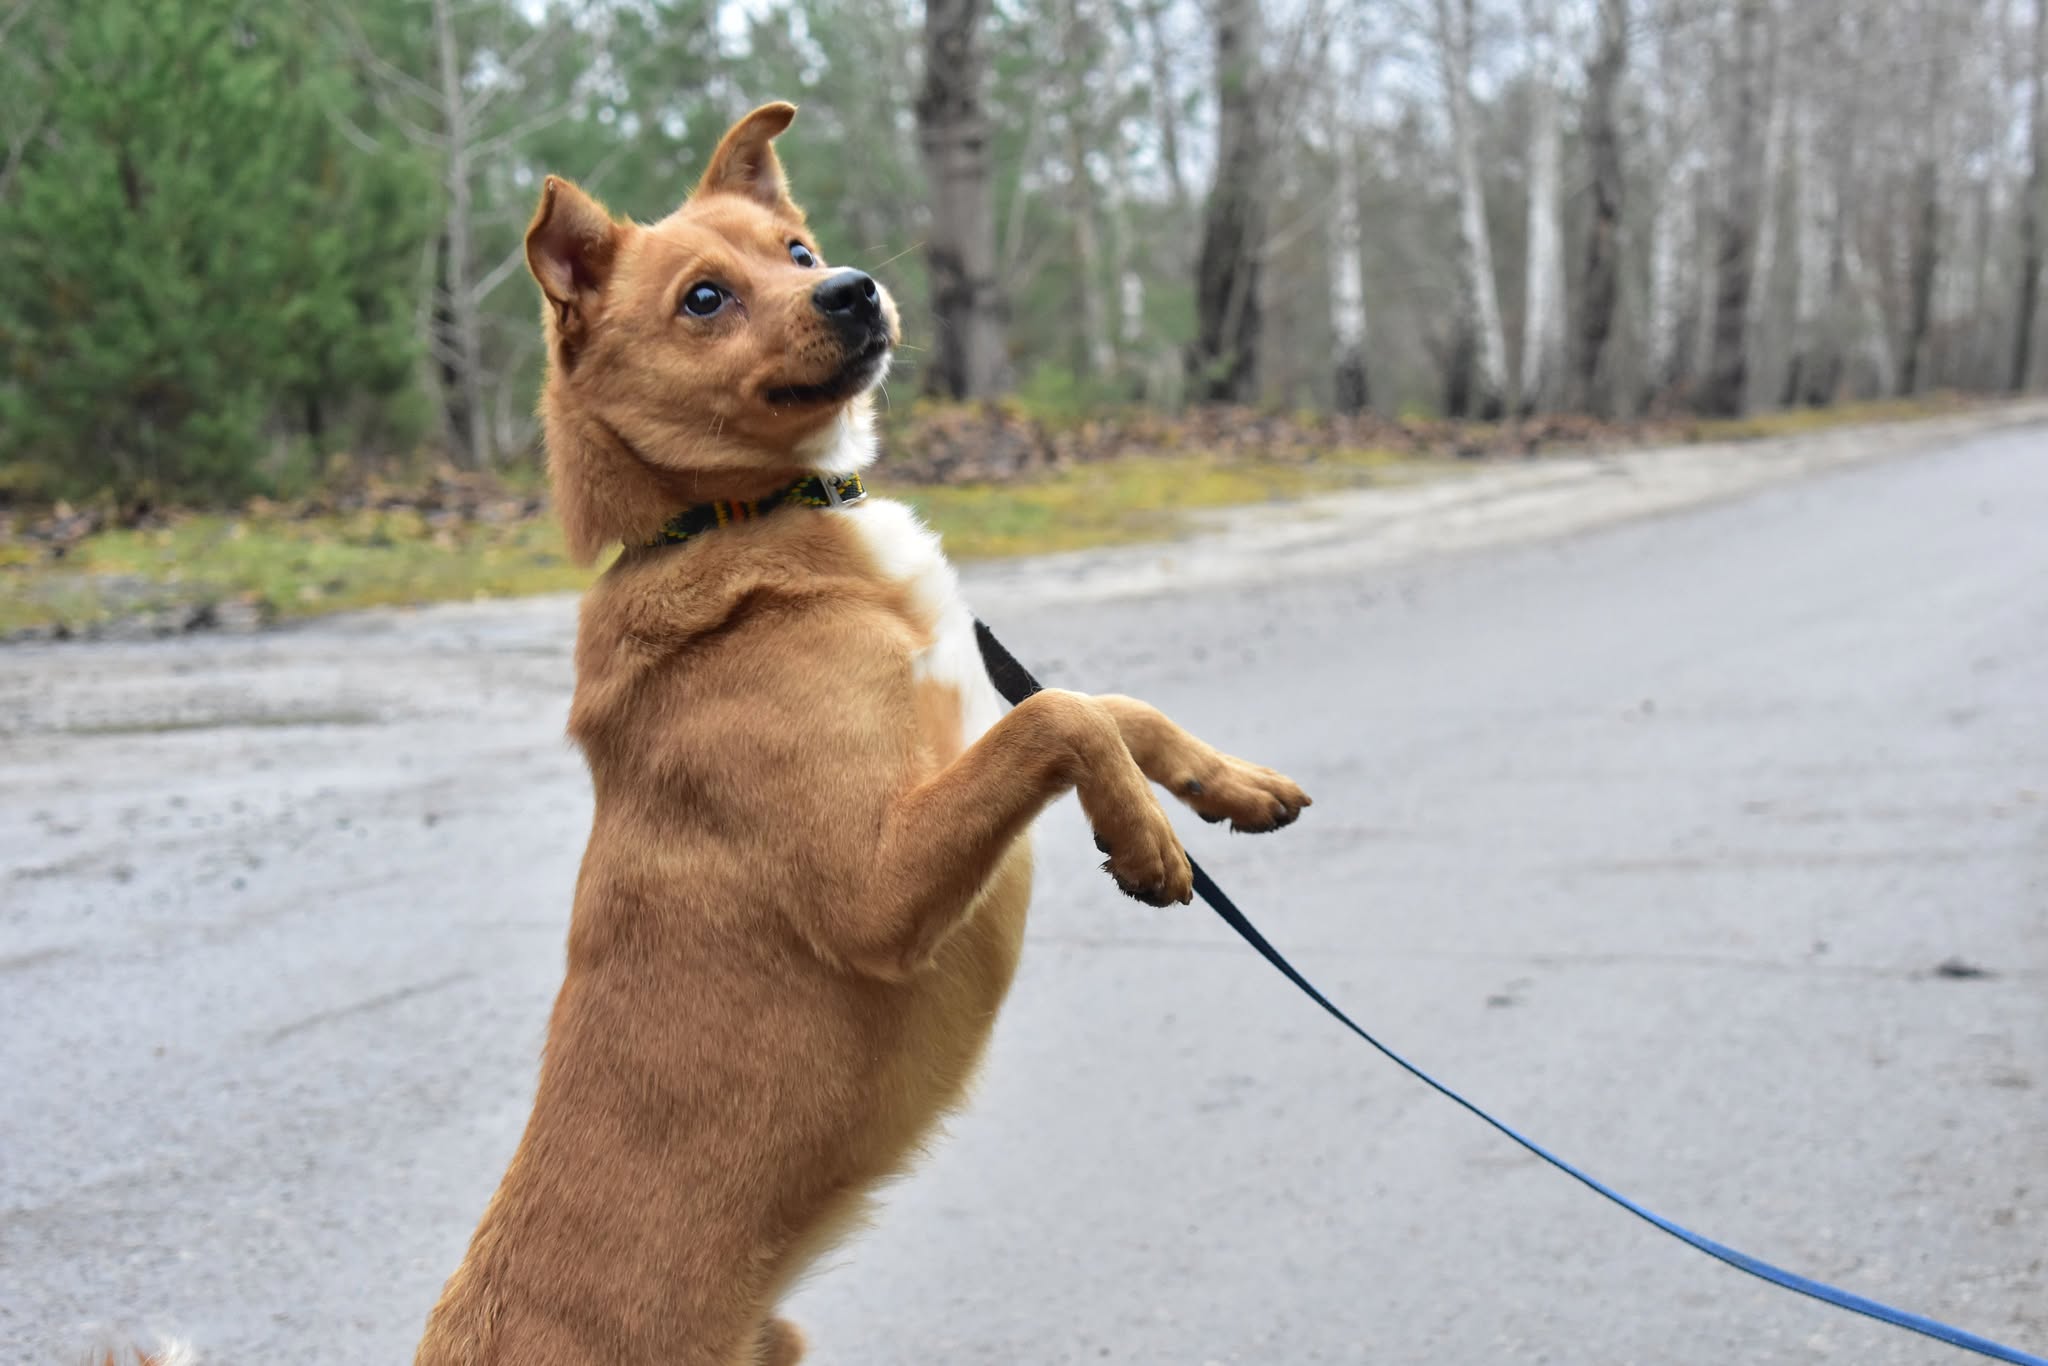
(1652, 837)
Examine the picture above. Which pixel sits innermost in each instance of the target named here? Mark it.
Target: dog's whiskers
(900, 255)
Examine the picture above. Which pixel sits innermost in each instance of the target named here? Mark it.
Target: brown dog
(804, 894)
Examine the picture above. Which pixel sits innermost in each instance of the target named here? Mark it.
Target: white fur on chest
(908, 553)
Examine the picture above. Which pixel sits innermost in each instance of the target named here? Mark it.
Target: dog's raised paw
(1151, 893)
(1146, 861)
(1252, 799)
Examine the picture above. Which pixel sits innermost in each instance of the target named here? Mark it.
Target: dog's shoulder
(904, 552)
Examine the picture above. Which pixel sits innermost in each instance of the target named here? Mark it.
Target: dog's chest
(949, 673)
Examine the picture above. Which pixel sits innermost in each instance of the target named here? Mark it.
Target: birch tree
(1479, 367)
(1672, 218)
(1762, 314)
(1350, 384)
(1543, 306)
(1808, 378)
(469, 92)
(1095, 354)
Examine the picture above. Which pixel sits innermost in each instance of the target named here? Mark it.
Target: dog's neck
(811, 491)
(606, 491)
(847, 446)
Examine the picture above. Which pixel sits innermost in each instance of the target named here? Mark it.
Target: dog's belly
(952, 1010)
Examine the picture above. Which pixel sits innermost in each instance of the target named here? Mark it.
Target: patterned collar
(817, 491)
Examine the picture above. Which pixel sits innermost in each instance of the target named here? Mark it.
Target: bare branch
(497, 142)
(516, 62)
(497, 275)
(14, 16)
(392, 73)
(352, 132)
(424, 137)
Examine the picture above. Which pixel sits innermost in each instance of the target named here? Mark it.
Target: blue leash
(1015, 683)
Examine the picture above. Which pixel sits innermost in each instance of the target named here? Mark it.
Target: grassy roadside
(246, 569)
(267, 564)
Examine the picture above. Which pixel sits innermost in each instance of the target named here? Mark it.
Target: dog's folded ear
(745, 162)
(570, 247)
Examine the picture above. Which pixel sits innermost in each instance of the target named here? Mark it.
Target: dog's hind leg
(1216, 786)
(781, 1344)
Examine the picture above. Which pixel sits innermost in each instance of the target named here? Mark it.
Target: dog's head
(708, 355)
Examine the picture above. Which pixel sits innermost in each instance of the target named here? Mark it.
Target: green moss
(1805, 421)
(288, 568)
(1140, 498)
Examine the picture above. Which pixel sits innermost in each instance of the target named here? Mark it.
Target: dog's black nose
(850, 299)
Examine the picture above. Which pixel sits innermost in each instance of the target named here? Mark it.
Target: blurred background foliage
(246, 243)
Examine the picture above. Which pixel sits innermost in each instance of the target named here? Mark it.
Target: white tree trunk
(1673, 214)
(1097, 355)
(1480, 305)
(1347, 275)
(1670, 236)
(1543, 310)
(1130, 284)
(1670, 231)
(1765, 306)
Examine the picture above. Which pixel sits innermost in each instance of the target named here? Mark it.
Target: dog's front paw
(1145, 857)
(1251, 798)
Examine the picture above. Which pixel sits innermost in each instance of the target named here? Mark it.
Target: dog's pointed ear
(570, 247)
(745, 162)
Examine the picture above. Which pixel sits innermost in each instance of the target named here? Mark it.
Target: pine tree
(181, 296)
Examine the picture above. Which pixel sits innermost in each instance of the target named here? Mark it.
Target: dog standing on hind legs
(804, 893)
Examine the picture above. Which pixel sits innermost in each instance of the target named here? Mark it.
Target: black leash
(1015, 683)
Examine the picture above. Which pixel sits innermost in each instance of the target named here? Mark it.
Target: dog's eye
(801, 254)
(703, 300)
